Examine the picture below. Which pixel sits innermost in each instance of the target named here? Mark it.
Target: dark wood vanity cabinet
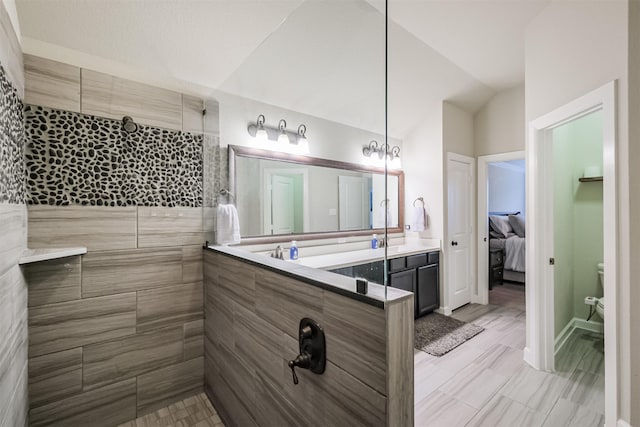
(414, 273)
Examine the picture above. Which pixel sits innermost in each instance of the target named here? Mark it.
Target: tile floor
(485, 382)
(195, 411)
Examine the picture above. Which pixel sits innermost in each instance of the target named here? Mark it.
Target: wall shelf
(591, 179)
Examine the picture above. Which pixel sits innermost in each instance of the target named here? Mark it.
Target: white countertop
(36, 255)
(346, 259)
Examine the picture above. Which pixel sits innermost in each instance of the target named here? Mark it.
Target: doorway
(540, 298)
(286, 203)
(501, 191)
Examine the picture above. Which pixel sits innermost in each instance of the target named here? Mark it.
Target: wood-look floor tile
(569, 414)
(474, 386)
(504, 412)
(537, 389)
(442, 410)
(586, 389)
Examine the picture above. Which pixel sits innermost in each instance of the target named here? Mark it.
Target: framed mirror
(279, 194)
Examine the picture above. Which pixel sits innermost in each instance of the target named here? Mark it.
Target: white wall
(499, 126)
(506, 188)
(572, 48)
(327, 139)
(422, 163)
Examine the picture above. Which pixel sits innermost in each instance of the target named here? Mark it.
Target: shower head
(128, 125)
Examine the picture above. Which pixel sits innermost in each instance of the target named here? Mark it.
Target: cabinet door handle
(454, 243)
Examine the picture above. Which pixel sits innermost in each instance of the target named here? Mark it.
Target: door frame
(481, 295)
(266, 201)
(539, 350)
(446, 288)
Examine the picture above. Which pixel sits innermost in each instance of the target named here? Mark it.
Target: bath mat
(437, 334)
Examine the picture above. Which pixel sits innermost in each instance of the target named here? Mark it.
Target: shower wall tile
(118, 359)
(193, 339)
(51, 84)
(159, 388)
(13, 229)
(53, 281)
(105, 407)
(177, 226)
(66, 325)
(112, 97)
(55, 376)
(192, 264)
(113, 272)
(192, 117)
(11, 53)
(96, 228)
(169, 305)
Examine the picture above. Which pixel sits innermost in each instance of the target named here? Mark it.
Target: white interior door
(353, 203)
(460, 230)
(282, 213)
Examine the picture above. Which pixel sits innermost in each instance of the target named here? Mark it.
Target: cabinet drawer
(396, 264)
(497, 258)
(433, 257)
(416, 260)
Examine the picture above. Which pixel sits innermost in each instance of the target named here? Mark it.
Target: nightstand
(496, 267)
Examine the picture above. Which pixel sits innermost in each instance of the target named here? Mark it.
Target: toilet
(600, 304)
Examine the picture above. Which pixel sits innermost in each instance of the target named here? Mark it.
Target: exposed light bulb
(262, 135)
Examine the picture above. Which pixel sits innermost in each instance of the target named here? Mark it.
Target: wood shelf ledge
(591, 179)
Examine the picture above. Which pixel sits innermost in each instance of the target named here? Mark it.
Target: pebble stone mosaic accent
(12, 189)
(73, 158)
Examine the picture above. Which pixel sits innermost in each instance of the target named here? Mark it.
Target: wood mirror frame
(256, 153)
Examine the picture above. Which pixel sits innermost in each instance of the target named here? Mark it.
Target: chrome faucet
(381, 242)
(278, 253)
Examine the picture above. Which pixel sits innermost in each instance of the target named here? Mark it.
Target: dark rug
(437, 334)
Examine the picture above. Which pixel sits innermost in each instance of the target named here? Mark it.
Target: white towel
(420, 218)
(228, 225)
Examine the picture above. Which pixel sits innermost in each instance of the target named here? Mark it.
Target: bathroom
(130, 294)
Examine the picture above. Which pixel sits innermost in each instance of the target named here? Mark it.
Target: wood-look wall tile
(192, 117)
(239, 376)
(212, 118)
(275, 410)
(258, 343)
(104, 407)
(67, 325)
(192, 264)
(11, 52)
(97, 228)
(13, 229)
(356, 333)
(163, 386)
(111, 272)
(228, 404)
(51, 84)
(108, 362)
(169, 305)
(112, 97)
(219, 309)
(238, 279)
(178, 226)
(283, 301)
(210, 267)
(400, 378)
(54, 376)
(53, 281)
(193, 339)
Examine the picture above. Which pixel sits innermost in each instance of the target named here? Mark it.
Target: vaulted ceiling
(325, 58)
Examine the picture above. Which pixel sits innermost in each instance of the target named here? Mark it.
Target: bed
(507, 232)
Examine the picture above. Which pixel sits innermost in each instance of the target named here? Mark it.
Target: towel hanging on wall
(227, 225)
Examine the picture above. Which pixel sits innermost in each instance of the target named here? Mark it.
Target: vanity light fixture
(384, 153)
(283, 138)
(261, 132)
(302, 142)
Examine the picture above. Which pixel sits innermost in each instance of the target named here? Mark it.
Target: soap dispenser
(374, 242)
(293, 251)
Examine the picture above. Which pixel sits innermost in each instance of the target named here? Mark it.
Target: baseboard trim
(576, 323)
(444, 310)
(563, 336)
(623, 423)
(528, 357)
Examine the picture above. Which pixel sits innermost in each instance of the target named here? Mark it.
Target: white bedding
(515, 258)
